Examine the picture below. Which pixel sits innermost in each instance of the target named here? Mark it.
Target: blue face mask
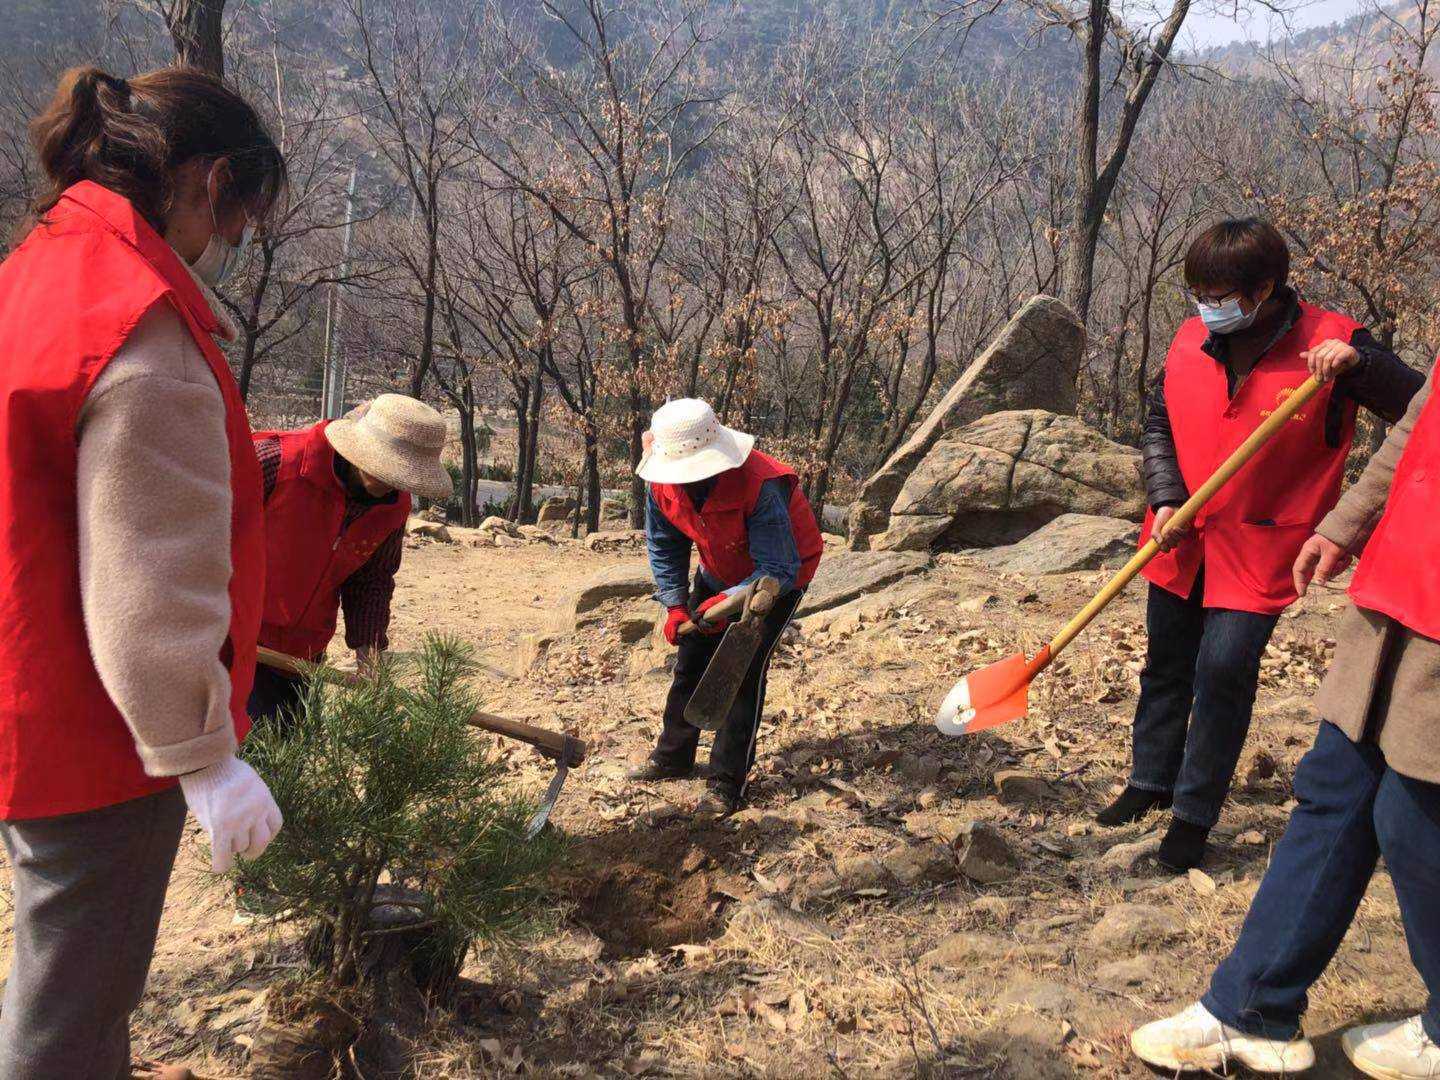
(1226, 317)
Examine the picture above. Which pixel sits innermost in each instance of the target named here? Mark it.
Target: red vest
(309, 549)
(1398, 574)
(1249, 534)
(718, 529)
(70, 294)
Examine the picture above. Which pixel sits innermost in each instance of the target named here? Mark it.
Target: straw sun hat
(398, 440)
(688, 444)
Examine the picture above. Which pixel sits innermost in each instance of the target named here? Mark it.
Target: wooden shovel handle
(554, 744)
(738, 604)
(1182, 517)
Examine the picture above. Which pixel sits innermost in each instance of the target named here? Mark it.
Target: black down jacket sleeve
(1164, 485)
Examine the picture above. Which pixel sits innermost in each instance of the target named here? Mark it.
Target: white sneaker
(1194, 1040)
(1398, 1050)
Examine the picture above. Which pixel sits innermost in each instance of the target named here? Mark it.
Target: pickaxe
(565, 750)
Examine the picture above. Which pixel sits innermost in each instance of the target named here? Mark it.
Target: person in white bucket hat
(337, 496)
(744, 511)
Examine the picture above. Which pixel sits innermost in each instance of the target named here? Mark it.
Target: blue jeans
(1196, 695)
(1352, 809)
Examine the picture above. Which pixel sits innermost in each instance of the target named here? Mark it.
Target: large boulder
(626, 582)
(1069, 543)
(997, 480)
(845, 575)
(1032, 364)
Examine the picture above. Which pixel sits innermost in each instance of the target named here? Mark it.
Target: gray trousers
(89, 892)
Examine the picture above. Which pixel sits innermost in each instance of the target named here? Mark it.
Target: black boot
(654, 771)
(1133, 804)
(1183, 847)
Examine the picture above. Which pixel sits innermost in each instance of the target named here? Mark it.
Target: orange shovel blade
(989, 697)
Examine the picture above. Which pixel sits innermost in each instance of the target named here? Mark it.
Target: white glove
(235, 807)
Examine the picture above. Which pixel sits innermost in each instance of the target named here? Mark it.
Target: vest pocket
(1265, 561)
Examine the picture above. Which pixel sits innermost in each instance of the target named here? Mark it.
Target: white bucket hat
(398, 440)
(688, 444)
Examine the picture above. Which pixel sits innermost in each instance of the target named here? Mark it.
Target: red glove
(719, 624)
(678, 617)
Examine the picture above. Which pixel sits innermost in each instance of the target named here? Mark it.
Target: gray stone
(1070, 543)
(999, 479)
(1032, 364)
(1134, 928)
(495, 524)
(626, 582)
(635, 628)
(614, 510)
(918, 770)
(984, 856)
(904, 866)
(845, 575)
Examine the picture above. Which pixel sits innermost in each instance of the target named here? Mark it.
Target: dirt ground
(767, 944)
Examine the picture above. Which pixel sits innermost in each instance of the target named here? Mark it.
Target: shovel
(1000, 693)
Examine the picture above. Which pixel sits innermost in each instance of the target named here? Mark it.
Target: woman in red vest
(1369, 788)
(1218, 590)
(745, 513)
(133, 555)
(337, 495)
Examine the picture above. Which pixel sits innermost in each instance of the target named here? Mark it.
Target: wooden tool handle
(1181, 519)
(555, 744)
(735, 605)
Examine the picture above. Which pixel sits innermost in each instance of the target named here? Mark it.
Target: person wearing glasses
(1217, 589)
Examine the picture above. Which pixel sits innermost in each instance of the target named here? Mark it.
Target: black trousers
(273, 697)
(733, 752)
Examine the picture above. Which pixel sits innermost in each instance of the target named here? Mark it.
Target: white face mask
(1226, 317)
(220, 257)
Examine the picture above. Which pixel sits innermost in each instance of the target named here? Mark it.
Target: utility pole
(332, 393)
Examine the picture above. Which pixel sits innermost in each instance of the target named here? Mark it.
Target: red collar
(117, 214)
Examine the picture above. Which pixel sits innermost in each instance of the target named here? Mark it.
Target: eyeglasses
(1209, 300)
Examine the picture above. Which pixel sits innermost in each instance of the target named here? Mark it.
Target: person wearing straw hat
(711, 490)
(337, 495)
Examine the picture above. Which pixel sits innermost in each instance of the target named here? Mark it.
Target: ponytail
(132, 135)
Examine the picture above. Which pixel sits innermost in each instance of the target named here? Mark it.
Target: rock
(747, 920)
(1031, 364)
(999, 479)
(845, 575)
(494, 524)
(977, 603)
(1044, 997)
(635, 628)
(615, 511)
(963, 949)
(918, 770)
(607, 539)
(1134, 928)
(904, 866)
(984, 856)
(1124, 858)
(531, 649)
(1125, 974)
(1015, 787)
(559, 508)
(920, 864)
(947, 828)
(430, 530)
(1069, 543)
(617, 583)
